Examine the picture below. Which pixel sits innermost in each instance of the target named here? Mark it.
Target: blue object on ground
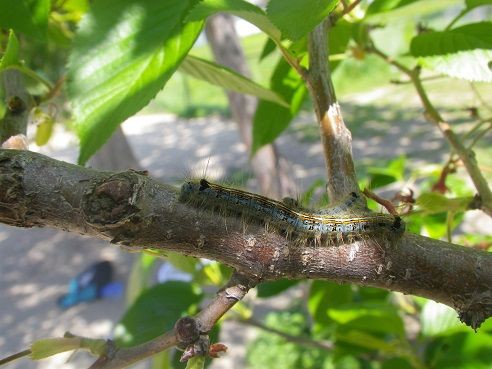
(93, 283)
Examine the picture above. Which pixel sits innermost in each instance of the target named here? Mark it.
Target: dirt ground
(36, 264)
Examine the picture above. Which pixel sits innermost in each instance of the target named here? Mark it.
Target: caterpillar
(338, 222)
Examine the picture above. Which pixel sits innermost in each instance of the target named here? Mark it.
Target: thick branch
(131, 209)
(335, 137)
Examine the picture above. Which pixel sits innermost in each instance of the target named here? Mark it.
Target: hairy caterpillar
(338, 222)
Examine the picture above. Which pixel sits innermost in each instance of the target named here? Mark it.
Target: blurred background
(190, 130)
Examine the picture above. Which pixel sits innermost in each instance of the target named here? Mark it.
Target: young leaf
(11, 55)
(297, 18)
(239, 8)
(155, 312)
(227, 78)
(271, 119)
(27, 16)
(124, 53)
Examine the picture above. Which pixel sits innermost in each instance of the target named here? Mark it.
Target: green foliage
(124, 52)
(28, 16)
(462, 52)
(224, 77)
(155, 311)
(285, 15)
(11, 54)
(269, 289)
(271, 119)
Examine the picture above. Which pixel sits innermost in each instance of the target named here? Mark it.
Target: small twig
(457, 18)
(346, 9)
(433, 115)
(183, 335)
(480, 97)
(14, 357)
(302, 341)
(386, 203)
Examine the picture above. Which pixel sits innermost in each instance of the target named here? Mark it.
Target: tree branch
(187, 331)
(131, 209)
(335, 137)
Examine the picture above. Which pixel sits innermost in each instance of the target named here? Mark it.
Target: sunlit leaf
(381, 11)
(464, 52)
(439, 319)
(239, 8)
(124, 53)
(226, 78)
(285, 14)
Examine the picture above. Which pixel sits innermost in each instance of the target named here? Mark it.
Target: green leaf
(461, 351)
(468, 37)
(26, 16)
(439, 319)
(370, 317)
(464, 52)
(239, 8)
(271, 119)
(197, 362)
(47, 347)
(475, 65)
(11, 55)
(433, 203)
(285, 14)
(124, 53)
(327, 295)
(155, 311)
(269, 289)
(44, 126)
(382, 11)
(470, 4)
(182, 262)
(227, 78)
(369, 341)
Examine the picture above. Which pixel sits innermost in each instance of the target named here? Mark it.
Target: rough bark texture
(130, 209)
(267, 165)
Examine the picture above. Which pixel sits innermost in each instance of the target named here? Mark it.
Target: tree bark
(268, 166)
(131, 209)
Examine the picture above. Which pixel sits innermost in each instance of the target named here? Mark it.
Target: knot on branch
(13, 206)
(187, 331)
(111, 203)
(477, 310)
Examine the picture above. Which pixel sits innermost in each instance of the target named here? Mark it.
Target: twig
(302, 341)
(386, 203)
(335, 137)
(186, 332)
(346, 9)
(466, 156)
(14, 357)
